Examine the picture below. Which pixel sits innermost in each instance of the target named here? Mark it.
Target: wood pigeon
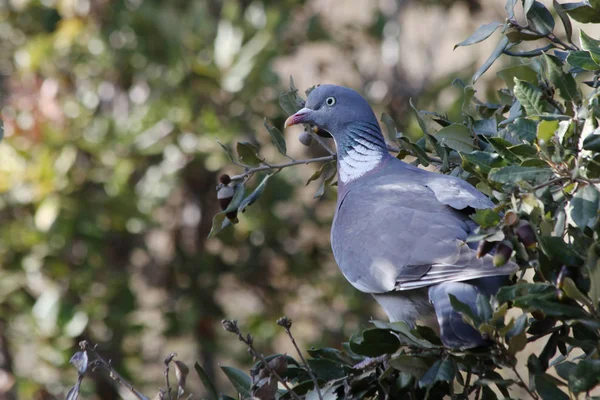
(399, 231)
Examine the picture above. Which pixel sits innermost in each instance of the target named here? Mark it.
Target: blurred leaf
(592, 142)
(440, 371)
(564, 18)
(524, 129)
(405, 332)
(593, 269)
(582, 12)
(521, 72)
(209, 386)
(483, 161)
(484, 308)
(331, 354)
(584, 376)
(565, 369)
(248, 154)
(240, 381)
(374, 342)
(326, 369)
(258, 191)
(573, 292)
(291, 101)
(565, 83)
(80, 361)
(74, 392)
(480, 34)
(547, 388)
(419, 116)
(219, 221)
(227, 150)
(514, 174)
(457, 137)
(546, 130)
(328, 392)
(530, 97)
(414, 366)
(181, 373)
(390, 125)
(486, 218)
(583, 207)
(517, 343)
(276, 137)
(583, 60)
(540, 19)
(510, 8)
(500, 47)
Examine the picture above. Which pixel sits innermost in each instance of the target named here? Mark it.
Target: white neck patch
(354, 164)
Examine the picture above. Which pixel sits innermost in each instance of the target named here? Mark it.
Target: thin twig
(231, 326)
(286, 323)
(168, 360)
(114, 375)
(251, 171)
(523, 384)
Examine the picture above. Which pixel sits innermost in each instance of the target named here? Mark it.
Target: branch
(86, 346)
(168, 360)
(231, 326)
(286, 323)
(250, 171)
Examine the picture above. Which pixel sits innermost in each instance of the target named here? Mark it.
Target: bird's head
(333, 109)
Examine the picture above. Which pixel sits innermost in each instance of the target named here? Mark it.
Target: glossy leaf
(521, 72)
(412, 365)
(457, 137)
(240, 381)
(583, 60)
(374, 342)
(248, 154)
(530, 97)
(440, 371)
(591, 45)
(564, 19)
(583, 207)
(539, 18)
(582, 12)
(256, 193)
(209, 386)
(565, 83)
(480, 34)
(498, 50)
(514, 174)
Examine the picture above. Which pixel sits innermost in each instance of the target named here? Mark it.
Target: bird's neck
(361, 150)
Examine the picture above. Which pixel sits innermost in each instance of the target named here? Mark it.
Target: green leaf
(593, 267)
(524, 129)
(211, 391)
(483, 161)
(565, 369)
(572, 291)
(591, 45)
(258, 191)
(390, 125)
(564, 18)
(227, 150)
(583, 60)
(466, 312)
(540, 19)
(219, 221)
(328, 392)
(582, 12)
(248, 154)
(484, 308)
(583, 207)
(326, 369)
(419, 116)
(291, 101)
(415, 366)
(546, 130)
(547, 388)
(486, 218)
(415, 150)
(498, 50)
(457, 137)
(374, 342)
(584, 376)
(276, 137)
(595, 4)
(514, 174)
(240, 381)
(530, 97)
(405, 332)
(480, 34)
(522, 72)
(592, 142)
(440, 371)
(565, 83)
(559, 251)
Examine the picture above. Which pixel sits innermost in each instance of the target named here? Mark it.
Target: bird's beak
(301, 116)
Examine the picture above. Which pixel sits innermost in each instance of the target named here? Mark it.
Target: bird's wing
(397, 235)
(456, 193)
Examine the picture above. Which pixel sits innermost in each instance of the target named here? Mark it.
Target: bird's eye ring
(330, 101)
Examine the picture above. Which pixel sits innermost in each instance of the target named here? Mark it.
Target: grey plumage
(399, 231)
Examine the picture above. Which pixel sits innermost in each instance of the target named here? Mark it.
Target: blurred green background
(109, 165)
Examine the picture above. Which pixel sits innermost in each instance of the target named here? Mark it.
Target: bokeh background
(109, 165)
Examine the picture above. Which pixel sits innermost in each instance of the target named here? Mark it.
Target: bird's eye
(330, 101)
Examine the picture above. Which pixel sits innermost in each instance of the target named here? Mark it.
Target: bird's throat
(361, 150)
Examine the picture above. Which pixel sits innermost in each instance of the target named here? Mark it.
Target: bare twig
(271, 167)
(114, 375)
(167, 361)
(231, 326)
(286, 323)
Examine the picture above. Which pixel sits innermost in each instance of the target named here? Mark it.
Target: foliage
(535, 150)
